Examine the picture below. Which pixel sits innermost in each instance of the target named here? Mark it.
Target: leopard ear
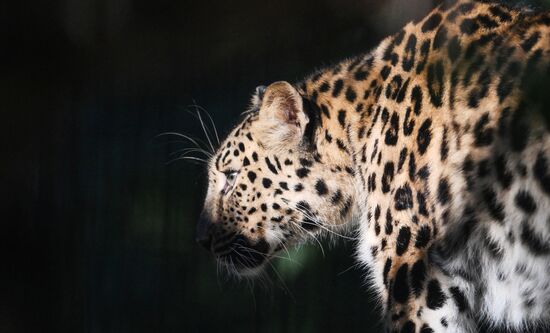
(258, 97)
(282, 114)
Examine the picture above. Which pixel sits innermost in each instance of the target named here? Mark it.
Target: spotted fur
(434, 147)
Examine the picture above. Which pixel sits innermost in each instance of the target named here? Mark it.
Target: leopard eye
(230, 177)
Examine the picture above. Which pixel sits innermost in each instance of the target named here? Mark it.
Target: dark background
(97, 230)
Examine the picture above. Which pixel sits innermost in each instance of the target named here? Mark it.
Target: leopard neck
(342, 99)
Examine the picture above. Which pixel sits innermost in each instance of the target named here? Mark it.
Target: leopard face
(268, 188)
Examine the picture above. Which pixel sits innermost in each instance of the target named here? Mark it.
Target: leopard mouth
(242, 256)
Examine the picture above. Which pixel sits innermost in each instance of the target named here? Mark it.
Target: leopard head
(271, 185)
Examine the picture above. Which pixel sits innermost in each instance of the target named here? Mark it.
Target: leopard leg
(415, 293)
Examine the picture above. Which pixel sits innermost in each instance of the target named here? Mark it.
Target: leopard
(431, 151)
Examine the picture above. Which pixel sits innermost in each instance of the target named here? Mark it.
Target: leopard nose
(204, 232)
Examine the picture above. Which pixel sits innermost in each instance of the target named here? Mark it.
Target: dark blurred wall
(97, 230)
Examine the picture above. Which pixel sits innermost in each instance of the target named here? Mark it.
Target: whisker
(318, 223)
(191, 150)
(190, 158)
(196, 142)
(330, 231)
(172, 141)
(283, 284)
(310, 234)
(218, 264)
(247, 262)
(206, 133)
(211, 120)
(265, 255)
(250, 284)
(281, 242)
(349, 268)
